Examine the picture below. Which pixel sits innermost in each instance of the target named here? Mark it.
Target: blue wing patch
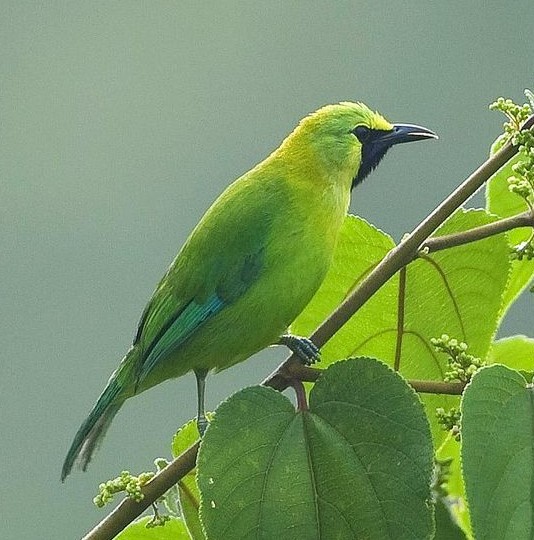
(178, 329)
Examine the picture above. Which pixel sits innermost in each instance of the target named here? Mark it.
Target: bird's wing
(177, 329)
(221, 259)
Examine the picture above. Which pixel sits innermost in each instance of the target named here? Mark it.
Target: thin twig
(437, 243)
(400, 317)
(309, 374)
(437, 387)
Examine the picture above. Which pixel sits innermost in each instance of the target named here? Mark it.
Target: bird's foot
(303, 347)
(202, 425)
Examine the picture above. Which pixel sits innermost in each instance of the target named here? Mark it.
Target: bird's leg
(304, 348)
(202, 422)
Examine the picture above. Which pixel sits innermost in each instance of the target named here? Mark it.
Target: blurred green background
(122, 121)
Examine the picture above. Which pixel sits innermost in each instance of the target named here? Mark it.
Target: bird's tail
(94, 427)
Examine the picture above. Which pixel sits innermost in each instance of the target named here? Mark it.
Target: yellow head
(349, 136)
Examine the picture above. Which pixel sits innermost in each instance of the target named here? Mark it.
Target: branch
(401, 299)
(308, 374)
(398, 257)
(526, 219)
(438, 387)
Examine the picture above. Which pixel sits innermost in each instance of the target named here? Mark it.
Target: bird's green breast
(263, 248)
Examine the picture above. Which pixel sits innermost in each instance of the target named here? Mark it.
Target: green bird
(252, 263)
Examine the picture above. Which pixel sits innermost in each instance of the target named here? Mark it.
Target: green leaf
(501, 202)
(446, 526)
(516, 352)
(186, 436)
(174, 529)
(455, 291)
(498, 453)
(360, 247)
(357, 464)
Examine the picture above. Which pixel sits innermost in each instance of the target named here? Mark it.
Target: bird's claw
(303, 347)
(202, 425)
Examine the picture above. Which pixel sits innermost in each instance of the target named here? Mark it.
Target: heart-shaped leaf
(498, 453)
(357, 464)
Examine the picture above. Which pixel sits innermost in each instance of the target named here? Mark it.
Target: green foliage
(498, 453)
(339, 470)
(516, 352)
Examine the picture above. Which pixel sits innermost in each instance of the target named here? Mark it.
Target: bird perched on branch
(252, 263)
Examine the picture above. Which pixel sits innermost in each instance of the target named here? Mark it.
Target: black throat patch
(373, 150)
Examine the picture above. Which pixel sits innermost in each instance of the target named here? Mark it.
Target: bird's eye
(362, 133)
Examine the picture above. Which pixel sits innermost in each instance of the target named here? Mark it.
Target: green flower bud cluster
(461, 365)
(126, 482)
(157, 520)
(525, 141)
(516, 114)
(522, 181)
(450, 420)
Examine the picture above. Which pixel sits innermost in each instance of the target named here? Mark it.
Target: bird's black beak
(402, 133)
(378, 142)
